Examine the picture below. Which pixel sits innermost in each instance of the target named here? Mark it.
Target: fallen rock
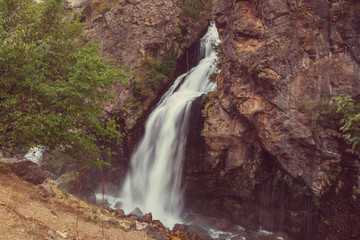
(140, 225)
(113, 222)
(120, 213)
(131, 218)
(136, 212)
(25, 169)
(47, 190)
(158, 224)
(155, 232)
(178, 226)
(51, 234)
(118, 205)
(147, 218)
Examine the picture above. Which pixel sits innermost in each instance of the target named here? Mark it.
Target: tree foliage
(350, 119)
(53, 82)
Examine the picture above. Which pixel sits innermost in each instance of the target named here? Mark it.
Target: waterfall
(153, 183)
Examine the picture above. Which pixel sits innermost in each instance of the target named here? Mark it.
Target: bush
(192, 8)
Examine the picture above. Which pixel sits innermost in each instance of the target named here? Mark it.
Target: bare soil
(27, 213)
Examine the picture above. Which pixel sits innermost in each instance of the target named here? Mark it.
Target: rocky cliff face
(271, 121)
(145, 36)
(264, 149)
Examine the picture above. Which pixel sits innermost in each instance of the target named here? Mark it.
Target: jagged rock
(25, 169)
(140, 225)
(147, 218)
(282, 62)
(155, 233)
(158, 224)
(118, 205)
(178, 226)
(120, 213)
(131, 218)
(136, 212)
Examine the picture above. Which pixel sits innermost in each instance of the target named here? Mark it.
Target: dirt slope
(26, 213)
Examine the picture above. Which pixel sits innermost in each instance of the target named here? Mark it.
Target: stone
(147, 218)
(25, 169)
(282, 62)
(118, 205)
(113, 222)
(155, 233)
(140, 225)
(178, 226)
(158, 224)
(51, 234)
(131, 218)
(136, 212)
(120, 213)
(47, 190)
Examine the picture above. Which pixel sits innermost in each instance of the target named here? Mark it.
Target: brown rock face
(283, 61)
(131, 31)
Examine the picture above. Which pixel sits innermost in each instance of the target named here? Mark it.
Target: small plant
(350, 120)
(192, 8)
(212, 77)
(35, 232)
(217, 48)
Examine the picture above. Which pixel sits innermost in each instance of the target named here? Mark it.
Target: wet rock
(131, 218)
(147, 218)
(155, 232)
(136, 212)
(118, 205)
(282, 63)
(25, 169)
(178, 226)
(158, 224)
(224, 225)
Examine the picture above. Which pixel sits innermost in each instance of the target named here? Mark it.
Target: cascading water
(154, 181)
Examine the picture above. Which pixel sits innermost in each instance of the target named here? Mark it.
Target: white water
(35, 154)
(153, 183)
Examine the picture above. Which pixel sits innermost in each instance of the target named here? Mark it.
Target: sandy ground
(26, 213)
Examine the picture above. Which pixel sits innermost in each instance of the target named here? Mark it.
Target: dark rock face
(25, 169)
(270, 138)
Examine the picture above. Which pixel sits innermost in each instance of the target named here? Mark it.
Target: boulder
(147, 218)
(136, 212)
(155, 232)
(25, 169)
(120, 213)
(158, 224)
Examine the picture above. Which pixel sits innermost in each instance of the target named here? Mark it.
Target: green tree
(53, 82)
(350, 119)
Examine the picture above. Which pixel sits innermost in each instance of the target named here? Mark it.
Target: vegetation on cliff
(53, 81)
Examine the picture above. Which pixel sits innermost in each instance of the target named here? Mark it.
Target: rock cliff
(264, 149)
(271, 121)
(151, 39)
